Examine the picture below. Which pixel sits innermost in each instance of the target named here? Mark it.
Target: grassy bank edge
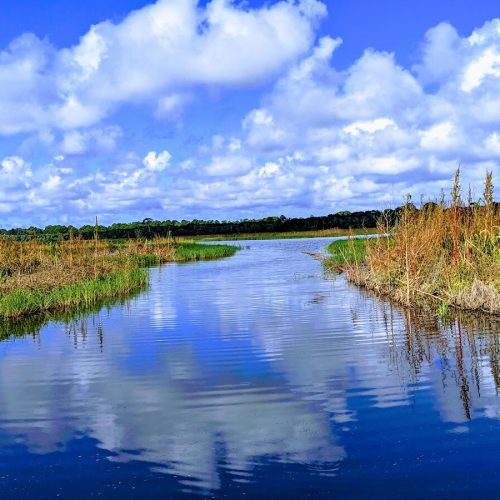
(350, 251)
(118, 284)
(326, 233)
(83, 294)
(348, 256)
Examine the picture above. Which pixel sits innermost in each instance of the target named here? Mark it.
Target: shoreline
(351, 263)
(104, 273)
(325, 233)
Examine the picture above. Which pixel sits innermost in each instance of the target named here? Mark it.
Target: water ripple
(253, 375)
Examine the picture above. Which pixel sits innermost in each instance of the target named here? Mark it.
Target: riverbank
(445, 254)
(325, 233)
(45, 277)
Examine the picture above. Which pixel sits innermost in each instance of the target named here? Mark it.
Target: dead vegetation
(447, 253)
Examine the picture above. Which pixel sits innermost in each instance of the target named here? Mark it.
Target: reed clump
(192, 251)
(447, 253)
(40, 277)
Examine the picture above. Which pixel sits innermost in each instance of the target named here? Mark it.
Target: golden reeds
(445, 252)
(37, 276)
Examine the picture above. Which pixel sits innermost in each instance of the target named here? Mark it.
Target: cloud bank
(155, 53)
(319, 141)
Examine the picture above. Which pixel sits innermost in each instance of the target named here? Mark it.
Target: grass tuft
(186, 252)
(85, 293)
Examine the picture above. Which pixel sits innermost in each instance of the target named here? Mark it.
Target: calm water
(253, 375)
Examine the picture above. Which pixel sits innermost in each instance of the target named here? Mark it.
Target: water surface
(253, 375)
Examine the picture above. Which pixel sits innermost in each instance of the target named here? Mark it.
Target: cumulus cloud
(155, 53)
(364, 137)
(319, 140)
(156, 162)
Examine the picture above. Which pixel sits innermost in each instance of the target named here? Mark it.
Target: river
(256, 375)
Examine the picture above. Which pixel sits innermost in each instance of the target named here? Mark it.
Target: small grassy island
(38, 277)
(446, 254)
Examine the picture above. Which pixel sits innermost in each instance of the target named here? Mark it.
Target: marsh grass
(31, 324)
(83, 294)
(347, 252)
(186, 252)
(325, 233)
(446, 253)
(37, 277)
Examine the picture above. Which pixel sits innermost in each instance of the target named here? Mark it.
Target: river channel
(258, 375)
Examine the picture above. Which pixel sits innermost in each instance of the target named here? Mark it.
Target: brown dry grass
(34, 265)
(445, 252)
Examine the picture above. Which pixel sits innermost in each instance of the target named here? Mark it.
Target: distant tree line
(149, 228)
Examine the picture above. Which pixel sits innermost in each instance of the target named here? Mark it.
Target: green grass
(326, 233)
(186, 252)
(351, 251)
(146, 260)
(84, 294)
(75, 284)
(31, 324)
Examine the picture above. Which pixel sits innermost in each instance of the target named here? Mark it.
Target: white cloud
(77, 142)
(320, 140)
(170, 106)
(155, 54)
(157, 162)
(228, 165)
(52, 183)
(13, 165)
(440, 53)
(492, 144)
(440, 137)
(269, 169)
(369, 127)
(488, 64)
(73, 143)
(325, 139)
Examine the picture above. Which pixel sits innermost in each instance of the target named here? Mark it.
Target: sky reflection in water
(253, 374)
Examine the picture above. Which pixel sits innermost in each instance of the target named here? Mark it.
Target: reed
(186, 252)
(85, 293)
(446, 253)
(40, 277)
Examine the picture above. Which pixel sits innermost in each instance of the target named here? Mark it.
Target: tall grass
(185, 252)
(38, 277)
(85, 293)
(446, 252)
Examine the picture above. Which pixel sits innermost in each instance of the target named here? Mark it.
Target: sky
(225, 110)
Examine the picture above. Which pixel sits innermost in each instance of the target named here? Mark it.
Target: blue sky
(178, 109)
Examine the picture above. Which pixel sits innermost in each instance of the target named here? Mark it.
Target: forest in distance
(149, 228)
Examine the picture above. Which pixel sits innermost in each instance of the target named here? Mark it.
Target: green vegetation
(31, 324)
(186, 252)
(347, 252)
(83, 294)
(447, 253)
(325, 233)
(38, 277)
(240, 229)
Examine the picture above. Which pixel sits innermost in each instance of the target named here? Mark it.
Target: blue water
(256, 375)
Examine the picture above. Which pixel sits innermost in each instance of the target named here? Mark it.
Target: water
(253, 375)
